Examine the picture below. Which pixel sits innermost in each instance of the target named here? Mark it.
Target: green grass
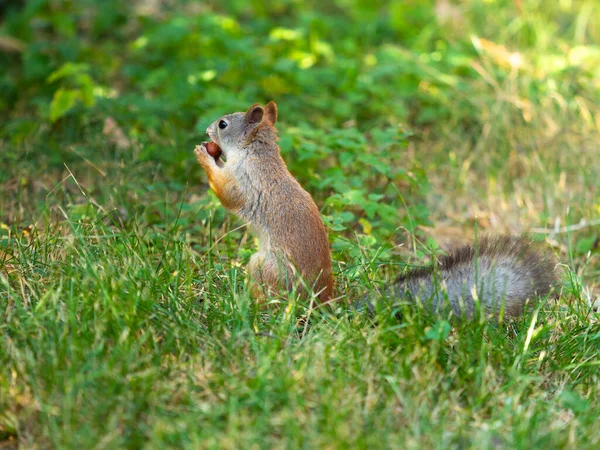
(126, 319)
(124, 339)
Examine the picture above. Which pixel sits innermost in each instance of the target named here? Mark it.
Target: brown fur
(223, 185)
(256, 184)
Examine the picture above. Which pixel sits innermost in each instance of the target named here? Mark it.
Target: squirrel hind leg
(273, 273)
(269, 273)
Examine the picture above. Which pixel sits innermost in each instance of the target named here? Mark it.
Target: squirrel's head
(235, 133)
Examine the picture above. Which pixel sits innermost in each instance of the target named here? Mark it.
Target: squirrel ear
(271, 113)
(254, 115)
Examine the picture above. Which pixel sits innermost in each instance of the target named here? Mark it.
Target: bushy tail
(503, 274)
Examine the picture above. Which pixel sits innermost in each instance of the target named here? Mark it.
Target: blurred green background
(106, 87)
(125, 320)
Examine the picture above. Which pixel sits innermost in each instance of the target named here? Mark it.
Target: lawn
(126, 315)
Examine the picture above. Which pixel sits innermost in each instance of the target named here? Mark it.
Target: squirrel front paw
(203, 158)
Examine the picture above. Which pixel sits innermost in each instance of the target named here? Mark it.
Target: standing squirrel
(254, 183)
(248, 175)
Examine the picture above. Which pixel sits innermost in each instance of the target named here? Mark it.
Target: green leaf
(573, 401)
(439, 331)
(585, 245)
(87, 89)
(67, 70)
(62, 102)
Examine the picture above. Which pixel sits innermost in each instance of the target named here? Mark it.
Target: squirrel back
(502, 273)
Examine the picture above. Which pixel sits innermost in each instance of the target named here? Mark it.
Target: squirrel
(248, 175)
(251, 180)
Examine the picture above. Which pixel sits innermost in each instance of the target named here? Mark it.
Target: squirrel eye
(222, 124)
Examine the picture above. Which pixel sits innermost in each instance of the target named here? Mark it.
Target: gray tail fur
(502, 274)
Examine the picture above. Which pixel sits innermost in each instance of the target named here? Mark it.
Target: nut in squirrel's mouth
(213, 149)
